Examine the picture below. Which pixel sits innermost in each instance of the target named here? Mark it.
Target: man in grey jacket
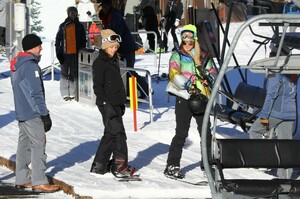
(32, 116)
(279, 112)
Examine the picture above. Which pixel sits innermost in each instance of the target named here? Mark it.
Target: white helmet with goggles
(110, 38)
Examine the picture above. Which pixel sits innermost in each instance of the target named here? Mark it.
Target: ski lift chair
(291, 39)
(247, 103)
(235, 154)
(261, 153)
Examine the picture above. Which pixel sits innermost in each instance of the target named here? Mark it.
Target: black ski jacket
(115, 21)
(108, 84)
(174, 10)
(60, 38)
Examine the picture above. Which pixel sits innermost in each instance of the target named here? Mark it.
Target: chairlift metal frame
(278, 64)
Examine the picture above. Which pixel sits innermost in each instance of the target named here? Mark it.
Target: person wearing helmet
(113, 19)
(190, 68)
(110, 99)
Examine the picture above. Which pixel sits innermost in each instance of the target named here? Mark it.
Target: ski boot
(101, 168)
(173, 171)
(120, 169)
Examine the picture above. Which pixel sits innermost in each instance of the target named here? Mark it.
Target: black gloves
(60, 58)
(47, 122)
(122, 109)
(110, 111)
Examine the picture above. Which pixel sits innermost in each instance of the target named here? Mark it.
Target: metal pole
(28, 13)
(148, 74)
(191, 14)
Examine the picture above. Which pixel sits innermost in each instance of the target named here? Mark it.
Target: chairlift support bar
(278, 18)
(220, 58)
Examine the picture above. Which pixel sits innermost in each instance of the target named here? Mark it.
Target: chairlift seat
(249, 95)
(258, 153)
(292, 39)
(285, 65)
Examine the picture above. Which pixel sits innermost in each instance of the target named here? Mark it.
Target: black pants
(69, 68)
(151, 24)
(169, 25)
(183, 120)
(114, 139)
(2, 36)
(143, 85)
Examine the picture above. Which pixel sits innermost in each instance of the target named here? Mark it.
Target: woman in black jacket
(111, 96)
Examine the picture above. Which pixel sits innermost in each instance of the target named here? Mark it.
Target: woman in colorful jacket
(190, 68)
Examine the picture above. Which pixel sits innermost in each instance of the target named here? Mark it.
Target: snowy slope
(74, 137)
(77, 128)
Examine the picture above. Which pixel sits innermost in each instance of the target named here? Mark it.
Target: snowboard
(128, 179)
(199, 183)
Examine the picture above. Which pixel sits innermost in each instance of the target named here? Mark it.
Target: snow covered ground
(77, 129)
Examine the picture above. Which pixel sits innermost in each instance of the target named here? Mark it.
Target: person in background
(95, 30)
(290, 8)
(2, 23)
(149, 10)
(70, 39)
(110, 99)
(190, 68)
(112, 19)
(86, 11)
(32, 116)
(279, 112)
(171, 19)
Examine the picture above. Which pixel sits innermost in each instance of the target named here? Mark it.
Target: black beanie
(30, 41)
(71, 9)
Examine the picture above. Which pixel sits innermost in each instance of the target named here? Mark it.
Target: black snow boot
(101, 168)
(120, 169)
(173, 171)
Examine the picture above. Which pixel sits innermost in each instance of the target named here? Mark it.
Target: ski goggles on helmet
(112, 38)
(187, 34)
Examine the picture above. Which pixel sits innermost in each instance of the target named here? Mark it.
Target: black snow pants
(170, 26)
(183, 120)
(114, 139)
(151, 24)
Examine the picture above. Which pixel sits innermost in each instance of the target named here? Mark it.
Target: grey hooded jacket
(28, 87)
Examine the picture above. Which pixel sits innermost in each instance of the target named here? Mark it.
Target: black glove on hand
(110, 111)
(265, 123)
(122, 109)
(47, 122)
(60, 58)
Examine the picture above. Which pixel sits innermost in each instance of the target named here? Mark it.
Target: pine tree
(35, 23)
